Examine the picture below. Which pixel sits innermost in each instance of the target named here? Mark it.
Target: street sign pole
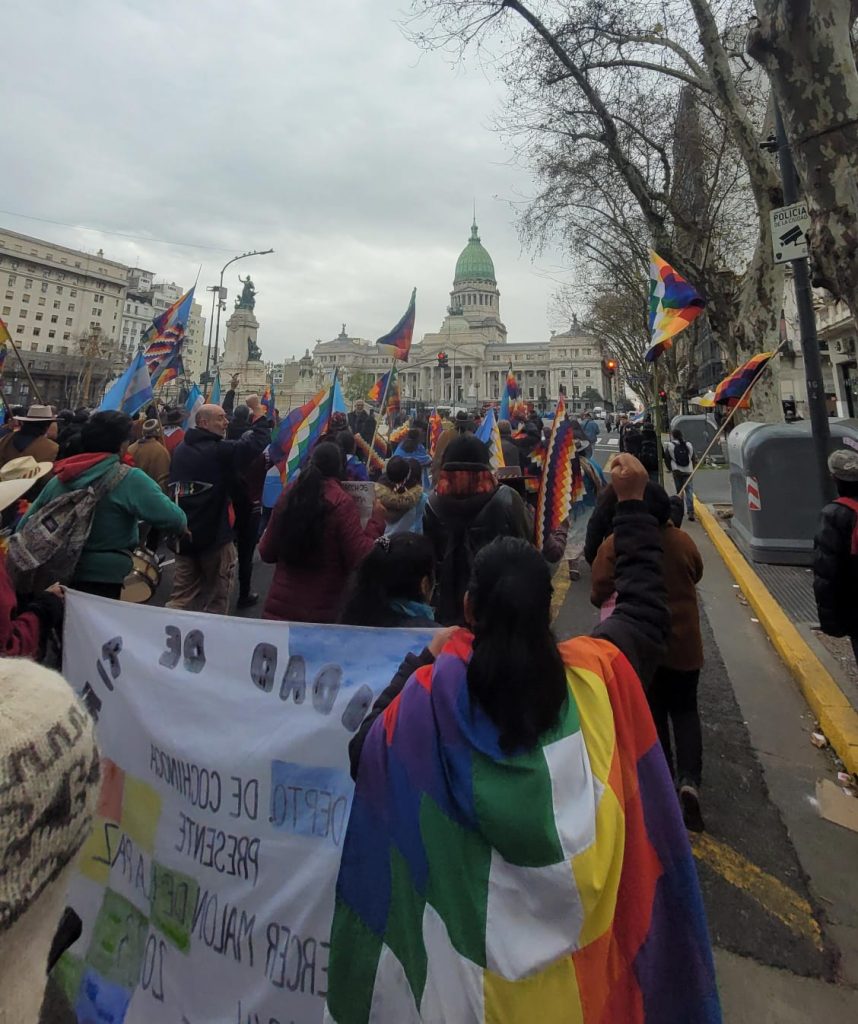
(807, 327)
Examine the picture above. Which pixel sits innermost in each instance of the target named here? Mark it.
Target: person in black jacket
(835, 553)
(205, 468)
(639, 625)
(248, 512)
(467, 510)
(511, 451)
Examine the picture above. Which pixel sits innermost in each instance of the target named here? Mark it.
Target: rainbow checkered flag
(554, 502)
(673, 305)
(310, 429)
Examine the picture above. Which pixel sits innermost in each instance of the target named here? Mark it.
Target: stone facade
(474, 338)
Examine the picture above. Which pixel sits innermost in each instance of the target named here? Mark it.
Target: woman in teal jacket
(106, 557)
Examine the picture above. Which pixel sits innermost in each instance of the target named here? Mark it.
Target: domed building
(474, 338)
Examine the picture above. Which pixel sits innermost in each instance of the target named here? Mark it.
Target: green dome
(474, 264)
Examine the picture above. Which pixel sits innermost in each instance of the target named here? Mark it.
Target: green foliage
(358, 385)
(590, 396)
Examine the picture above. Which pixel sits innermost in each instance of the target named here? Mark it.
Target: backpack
(681, 457)
(649, 454)
(48, 546)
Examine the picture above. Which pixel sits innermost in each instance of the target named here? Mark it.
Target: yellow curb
(835, 714)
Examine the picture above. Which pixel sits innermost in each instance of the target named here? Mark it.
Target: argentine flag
(195, 401)
(132, 391)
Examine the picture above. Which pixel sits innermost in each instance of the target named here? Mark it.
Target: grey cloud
(313, 128)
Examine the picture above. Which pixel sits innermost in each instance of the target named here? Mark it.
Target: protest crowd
(457, 523)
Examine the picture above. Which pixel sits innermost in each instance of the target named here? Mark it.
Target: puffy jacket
(461, 523)
(315, 592)
(206, 458)
(835, 571)
(106, 555)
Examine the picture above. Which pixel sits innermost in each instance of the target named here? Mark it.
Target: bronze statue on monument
(247, 299)
(254, 352)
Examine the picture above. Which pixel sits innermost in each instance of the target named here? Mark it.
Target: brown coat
(153, 458)
(683, 570)
(42, 449)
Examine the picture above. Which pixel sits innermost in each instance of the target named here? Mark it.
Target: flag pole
(657, 402)
(26, 370)
(729, 417)
(383, 402)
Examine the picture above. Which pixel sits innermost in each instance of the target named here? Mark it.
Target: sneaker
(689, 799)
(690, 517)
(247, 601)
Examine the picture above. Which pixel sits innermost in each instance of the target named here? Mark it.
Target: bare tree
(599, 78)
(807, 49)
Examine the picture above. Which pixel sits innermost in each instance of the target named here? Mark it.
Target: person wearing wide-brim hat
(30, 437)
(174, 432)
(23, 631)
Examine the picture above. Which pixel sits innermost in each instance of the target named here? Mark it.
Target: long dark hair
(392, 571)
(305, 508)
(516, 673)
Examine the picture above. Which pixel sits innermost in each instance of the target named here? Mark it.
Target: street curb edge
(837, 718)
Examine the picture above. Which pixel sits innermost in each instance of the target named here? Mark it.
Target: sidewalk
(779, 882)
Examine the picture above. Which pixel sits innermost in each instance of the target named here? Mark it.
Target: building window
(44, 286)
(9, 295)
(28, 282)
(59, 289)
(586, 373)
(73, 292)
(41, 300)
(64, 349)
(53, 319)
(71, 307)
(7, 310)
(37, 331)
(562, 373)
(34, 348)
(19, 329)
(49, 348)
(56, 305)
(12, 279)
(68, 321)
(22, 313)
(26, 298)
(66, 337)
(39, 316)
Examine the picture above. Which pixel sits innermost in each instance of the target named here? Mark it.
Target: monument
(242, 356)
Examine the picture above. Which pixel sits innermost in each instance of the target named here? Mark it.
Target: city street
(779, 882)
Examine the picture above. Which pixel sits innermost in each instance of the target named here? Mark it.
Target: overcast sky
(317, 129)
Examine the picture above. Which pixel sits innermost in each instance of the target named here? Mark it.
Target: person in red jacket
(316, 539)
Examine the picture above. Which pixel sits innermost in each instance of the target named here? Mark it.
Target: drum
(142, 582)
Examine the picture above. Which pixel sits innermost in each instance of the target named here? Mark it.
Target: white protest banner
(363, 493)
(207, 886)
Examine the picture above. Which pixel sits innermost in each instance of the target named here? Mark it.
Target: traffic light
(662, 395)
(610, 367)
(443, 360)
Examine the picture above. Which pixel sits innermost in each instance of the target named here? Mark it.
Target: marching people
(400, 493)
(463, 423)
(467, 510)
(393, 585)
(591, 429)
(355, 470)
(174, 432)
(835, 552)
(203, 472)
(511, 451)
(476, 715)
(126, 496)
(361, 421)
(150, 455)
(649, 449)
(672, 691)
(679, 454)
(582, 508)
(31, 436)
(246, 496)
(315, 539)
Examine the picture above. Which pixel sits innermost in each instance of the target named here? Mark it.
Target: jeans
(672, 697)
(678, 482)
(202, 582)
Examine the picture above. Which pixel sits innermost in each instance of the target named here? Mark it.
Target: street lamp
(221, 296)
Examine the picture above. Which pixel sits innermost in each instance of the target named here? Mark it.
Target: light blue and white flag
(132, 391)
(195, 401)
(215, 395)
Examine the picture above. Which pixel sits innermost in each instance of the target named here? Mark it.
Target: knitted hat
(151, 428)
(843, 465)
(49, 774)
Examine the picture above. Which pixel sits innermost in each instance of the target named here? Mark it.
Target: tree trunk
(806, 50)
